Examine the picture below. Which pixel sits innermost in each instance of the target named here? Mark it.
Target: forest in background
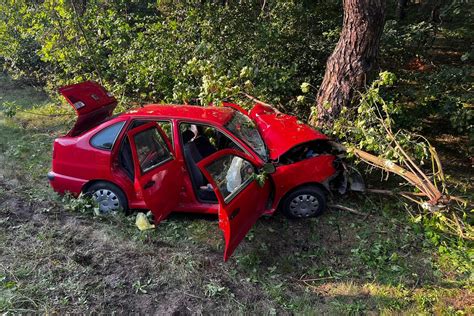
(207, 51)
(203, 52)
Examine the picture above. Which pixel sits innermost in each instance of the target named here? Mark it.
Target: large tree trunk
(353, 58)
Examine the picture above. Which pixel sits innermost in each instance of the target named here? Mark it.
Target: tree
(352, 59)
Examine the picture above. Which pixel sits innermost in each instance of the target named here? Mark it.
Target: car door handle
(234, 213)
(149, 184)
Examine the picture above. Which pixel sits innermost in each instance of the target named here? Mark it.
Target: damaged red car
(180, 158)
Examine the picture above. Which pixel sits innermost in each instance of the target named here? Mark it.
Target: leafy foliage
(173, 52)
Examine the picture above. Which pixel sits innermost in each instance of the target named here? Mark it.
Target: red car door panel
(158, 175)
(241, 199)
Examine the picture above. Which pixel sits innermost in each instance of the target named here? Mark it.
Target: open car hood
(281, 132)
(93, 104)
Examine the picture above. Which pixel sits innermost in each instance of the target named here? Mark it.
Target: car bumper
(62, 184)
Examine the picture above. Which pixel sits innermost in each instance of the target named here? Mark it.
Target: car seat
(204, 146)
(192, 157)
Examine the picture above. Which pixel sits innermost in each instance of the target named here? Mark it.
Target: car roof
(214, 114)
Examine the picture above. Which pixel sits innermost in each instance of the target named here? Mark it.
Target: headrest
(187, 136)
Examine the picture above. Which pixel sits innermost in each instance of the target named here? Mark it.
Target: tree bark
(351, 61)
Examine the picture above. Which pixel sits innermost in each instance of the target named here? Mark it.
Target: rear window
(106, 138)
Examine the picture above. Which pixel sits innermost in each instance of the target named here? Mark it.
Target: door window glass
(166, 126)
(151, 149)
(231, 174)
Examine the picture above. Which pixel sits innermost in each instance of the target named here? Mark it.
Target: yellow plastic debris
(142, 222)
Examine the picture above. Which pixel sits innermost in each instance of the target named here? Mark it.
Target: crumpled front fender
(348, 178)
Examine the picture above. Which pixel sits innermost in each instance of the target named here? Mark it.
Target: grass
(56, 258)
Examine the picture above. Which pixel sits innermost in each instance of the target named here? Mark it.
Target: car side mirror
(268, 168)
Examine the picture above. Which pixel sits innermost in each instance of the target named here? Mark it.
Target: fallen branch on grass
(314, 279)
(389, 192)
(348, 209)
(419, 180)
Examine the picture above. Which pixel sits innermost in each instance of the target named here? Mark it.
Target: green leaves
(261, 178)
(305, 87)
(386, 78)
(172, 52)
(369, 126)
(9, 108)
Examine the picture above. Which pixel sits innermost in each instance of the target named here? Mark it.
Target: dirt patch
(462, 300)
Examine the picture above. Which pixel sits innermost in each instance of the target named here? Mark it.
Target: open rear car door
(158, 175)
(241, 199)
(93, 104)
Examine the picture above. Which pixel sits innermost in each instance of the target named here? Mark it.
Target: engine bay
(310, 150)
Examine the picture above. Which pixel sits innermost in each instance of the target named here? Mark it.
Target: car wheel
(109, 198)
(308, 201)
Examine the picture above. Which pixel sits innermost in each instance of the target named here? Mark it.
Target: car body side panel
(78, 160)
(65, 184)
(75, 164)
(312, 170)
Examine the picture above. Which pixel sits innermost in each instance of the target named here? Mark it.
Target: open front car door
(241, 199)
(158, 175)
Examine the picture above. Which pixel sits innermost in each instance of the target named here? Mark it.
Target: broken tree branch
(348, 209)
(428, 189)
(388, 192)
(258, 101)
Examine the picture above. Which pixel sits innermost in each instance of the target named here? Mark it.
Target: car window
(166, 126)
(105, 139)
(244, 128)
(151, 149)
(207, 139)
(231, 174)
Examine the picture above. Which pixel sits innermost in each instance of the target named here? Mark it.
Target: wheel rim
(304, 205)
(107, 201)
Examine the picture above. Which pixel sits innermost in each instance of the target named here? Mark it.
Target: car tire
(305, 202)
(110, 198)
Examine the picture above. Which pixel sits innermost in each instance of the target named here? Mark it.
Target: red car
(180, 158)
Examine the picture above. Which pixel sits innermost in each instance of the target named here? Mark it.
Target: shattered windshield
(244, 128)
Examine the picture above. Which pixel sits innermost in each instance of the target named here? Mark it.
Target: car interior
(198, 142)
(125, 154)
